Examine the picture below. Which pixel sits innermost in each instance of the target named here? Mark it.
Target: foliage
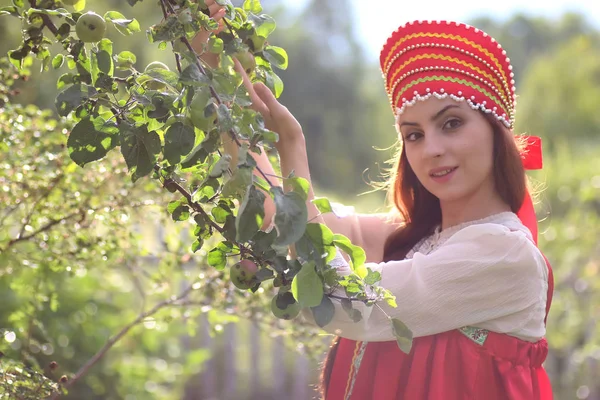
(168, 126)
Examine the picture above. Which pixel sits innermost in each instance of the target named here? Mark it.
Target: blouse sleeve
(483, 272)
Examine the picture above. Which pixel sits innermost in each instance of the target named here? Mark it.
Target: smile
(443, 173)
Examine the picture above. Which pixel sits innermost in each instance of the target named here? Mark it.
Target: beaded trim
(451, 59)
(462, 50)
(500, 76)
(475, 106)
(445, 36)
(473, 76)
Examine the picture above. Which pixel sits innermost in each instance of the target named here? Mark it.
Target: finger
(268, 98)
(257, 104)
(216, 11)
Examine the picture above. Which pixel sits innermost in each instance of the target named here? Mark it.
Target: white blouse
(486, 274)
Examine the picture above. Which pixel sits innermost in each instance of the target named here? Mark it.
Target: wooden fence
(248, 364)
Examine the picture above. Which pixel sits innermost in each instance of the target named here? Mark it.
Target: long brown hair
(421, 210)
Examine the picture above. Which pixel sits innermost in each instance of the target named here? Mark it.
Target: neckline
(490, 218)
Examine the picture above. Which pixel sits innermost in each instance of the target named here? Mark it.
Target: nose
(433, 146)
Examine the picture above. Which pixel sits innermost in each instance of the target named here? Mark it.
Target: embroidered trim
(357, 359)
(504, 104)
(447, 79)
(443, 36)
(477, 335)
(497, 85)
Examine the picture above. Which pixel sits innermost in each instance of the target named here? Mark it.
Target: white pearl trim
(475, 106)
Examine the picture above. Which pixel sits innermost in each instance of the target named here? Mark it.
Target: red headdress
(449, 59)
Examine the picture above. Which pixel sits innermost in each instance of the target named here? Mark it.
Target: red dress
(446, 366)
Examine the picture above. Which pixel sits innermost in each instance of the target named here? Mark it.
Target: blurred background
(61, 299)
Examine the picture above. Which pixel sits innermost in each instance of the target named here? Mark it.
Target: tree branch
(112, 341)
(213, 92)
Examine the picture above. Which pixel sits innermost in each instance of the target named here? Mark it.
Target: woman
(463, 264)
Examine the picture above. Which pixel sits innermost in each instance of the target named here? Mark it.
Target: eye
(452, 123)
(412, 137)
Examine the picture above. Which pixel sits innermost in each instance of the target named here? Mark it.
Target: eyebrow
(436, 116)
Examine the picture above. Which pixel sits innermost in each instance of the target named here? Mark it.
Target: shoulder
(508, 245)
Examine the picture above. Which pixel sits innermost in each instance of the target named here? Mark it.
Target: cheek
(413, 161)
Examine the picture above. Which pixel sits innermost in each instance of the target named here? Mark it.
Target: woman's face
(450, 147)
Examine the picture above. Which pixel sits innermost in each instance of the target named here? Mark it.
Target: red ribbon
(532, 159)
(532, 154)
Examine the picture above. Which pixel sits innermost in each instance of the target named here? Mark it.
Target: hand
(277, 117)
(217, 12)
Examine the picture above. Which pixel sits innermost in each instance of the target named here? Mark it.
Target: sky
(377, 19)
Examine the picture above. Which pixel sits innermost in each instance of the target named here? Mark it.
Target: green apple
(155, 85)
(90, 27)
(203, 112)
(257, 43)
(243, 274)
(284, 306)
(247, 60)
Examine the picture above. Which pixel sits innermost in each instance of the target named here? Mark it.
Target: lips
(441, 172)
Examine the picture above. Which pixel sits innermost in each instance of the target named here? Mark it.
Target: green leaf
(299, 185)
(139, 148)
(290, 216)
(161, 75)
(58, 61)
(389, 298)
(274, 82)
(73, 97)
(215, 45)
(323, 205)
(264, 24)
(208, 189)
(224, 117)
(192, 76)
(220, 166)
(9, 10)
(307, 287)
(403, 335)
(252, 6)
(238, 184)
(357, 254)
(372, 277)
(91, 139)
(220, 214)
(123, 25)
(324, 312)
(59, 12)
(276, 56)
(251, 215)
(216, 258)
(352, 312)
(126, 60)
(102, 58)
(197, 156)
(181, 213)
(321, 237)
(179, 142)
(167, 31)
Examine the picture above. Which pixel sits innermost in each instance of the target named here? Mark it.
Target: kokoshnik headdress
(450, 59)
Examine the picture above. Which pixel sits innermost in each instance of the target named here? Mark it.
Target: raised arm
(367, 231)
(484, 275)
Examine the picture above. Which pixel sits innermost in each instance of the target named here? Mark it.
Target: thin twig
(197, 207)
(45, 228)
(333, 296)
(44, 195)
(112, 341)
(213, 92)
